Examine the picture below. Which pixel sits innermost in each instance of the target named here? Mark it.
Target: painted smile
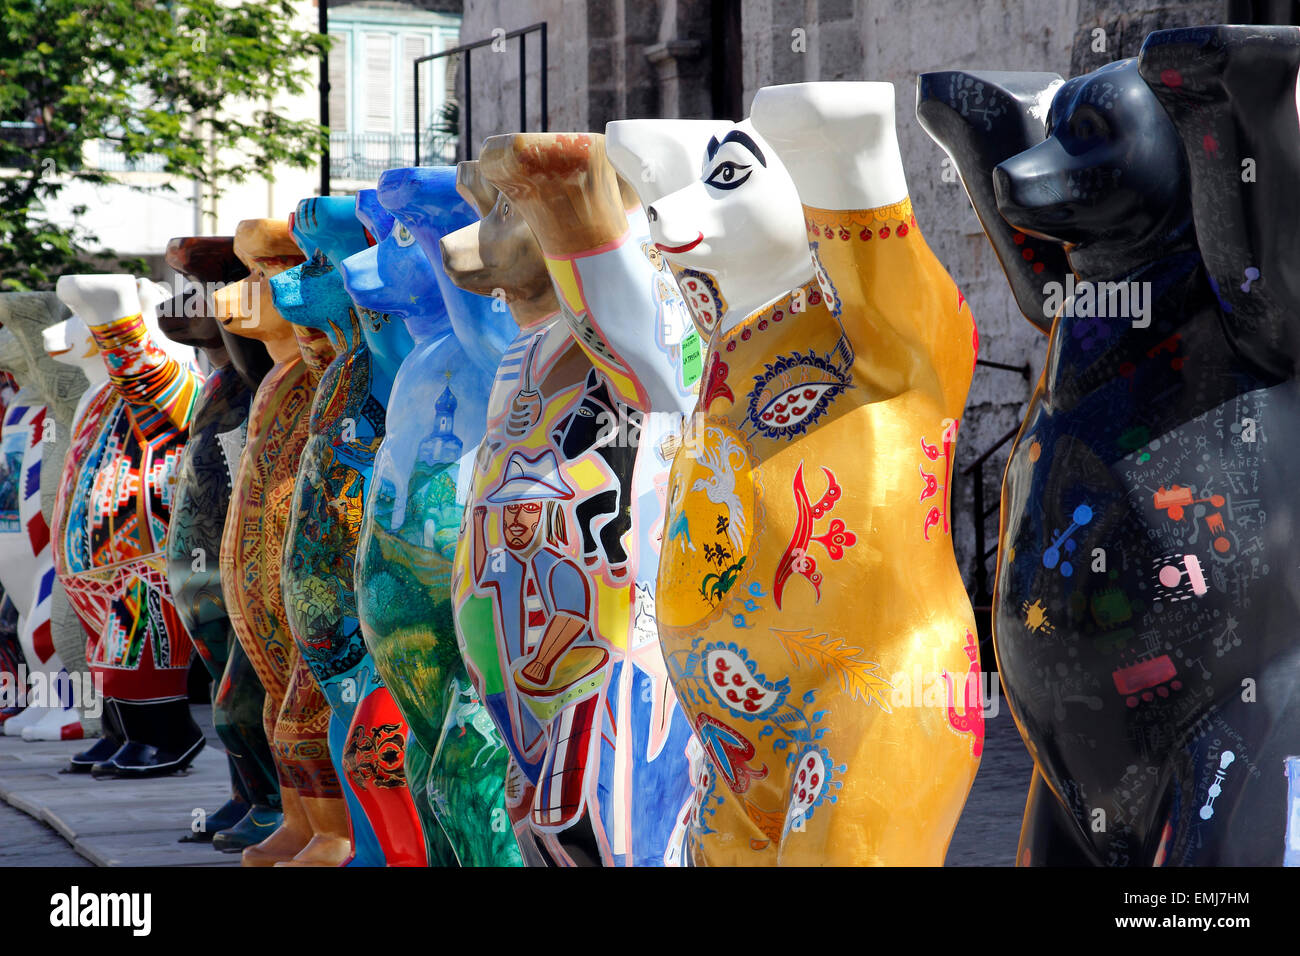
(684, 248)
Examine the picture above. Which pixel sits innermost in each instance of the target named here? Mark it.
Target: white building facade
(372, 119)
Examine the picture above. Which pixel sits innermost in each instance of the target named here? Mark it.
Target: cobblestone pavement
(73, 820)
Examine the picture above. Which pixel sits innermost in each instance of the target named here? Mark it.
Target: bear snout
(1031, 193)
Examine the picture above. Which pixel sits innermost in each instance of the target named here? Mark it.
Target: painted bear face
(209, 263)
(740, 221)
(657, 157)
(1112, 168)
(374, 218)
(328, 225)
(426, 202)
(498, 255)
(384, 280)
(393, 277)
(247, 307)
(187, 317)
(389, 282)
(311, 294)
(425, 198)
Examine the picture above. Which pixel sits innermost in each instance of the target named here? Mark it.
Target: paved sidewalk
(989, 829)
(138, 823)
(111, 822)
(25, 841)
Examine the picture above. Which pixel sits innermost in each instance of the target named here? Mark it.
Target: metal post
(981, 514)
(523, 81)
(417, 113)
(324, 27)
(545, 127)
(469, 108)
(981, 571)
(467, 104)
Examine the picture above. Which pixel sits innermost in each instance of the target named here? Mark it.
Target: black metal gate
(467, 108)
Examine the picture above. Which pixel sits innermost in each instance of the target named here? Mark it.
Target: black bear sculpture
(1146, 592)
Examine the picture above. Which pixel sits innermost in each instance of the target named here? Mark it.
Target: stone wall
(870, 39)
(495, 97)
(1126, 25)
(629, 58)
(948, 34)
(607, 60)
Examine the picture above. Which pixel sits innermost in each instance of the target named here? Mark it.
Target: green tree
(188, 83)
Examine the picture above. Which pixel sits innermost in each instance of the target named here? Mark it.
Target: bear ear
(1231, 93)
(980, 119)
(474, 188)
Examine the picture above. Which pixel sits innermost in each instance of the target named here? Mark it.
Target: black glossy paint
(1146, 596)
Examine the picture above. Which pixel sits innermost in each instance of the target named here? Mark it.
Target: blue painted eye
(727, 176)
(402, 235)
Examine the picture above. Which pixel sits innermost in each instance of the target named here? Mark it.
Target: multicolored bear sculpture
(1144, 591)
(295, 715)
(40, 434)
(204, 482)
(810, 495)
(111, 522)
(408, 536)
(560, 550)
(367, 740)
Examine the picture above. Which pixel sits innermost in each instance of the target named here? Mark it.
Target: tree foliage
(154, 79)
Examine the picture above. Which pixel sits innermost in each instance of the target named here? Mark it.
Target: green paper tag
(692, 359)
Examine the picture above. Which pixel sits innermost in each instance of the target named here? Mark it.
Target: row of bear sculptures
(587, 503)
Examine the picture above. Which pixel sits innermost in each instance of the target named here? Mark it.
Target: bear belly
(1139, 597)
(812, 617)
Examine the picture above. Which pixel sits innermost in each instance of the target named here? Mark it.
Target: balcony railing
(100, 154)
(987, 523)
(15, 140)
(365, 155)
(25, 135)
(467, 67)
(103, 154)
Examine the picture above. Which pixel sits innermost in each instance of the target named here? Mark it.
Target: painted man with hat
(544, 601)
